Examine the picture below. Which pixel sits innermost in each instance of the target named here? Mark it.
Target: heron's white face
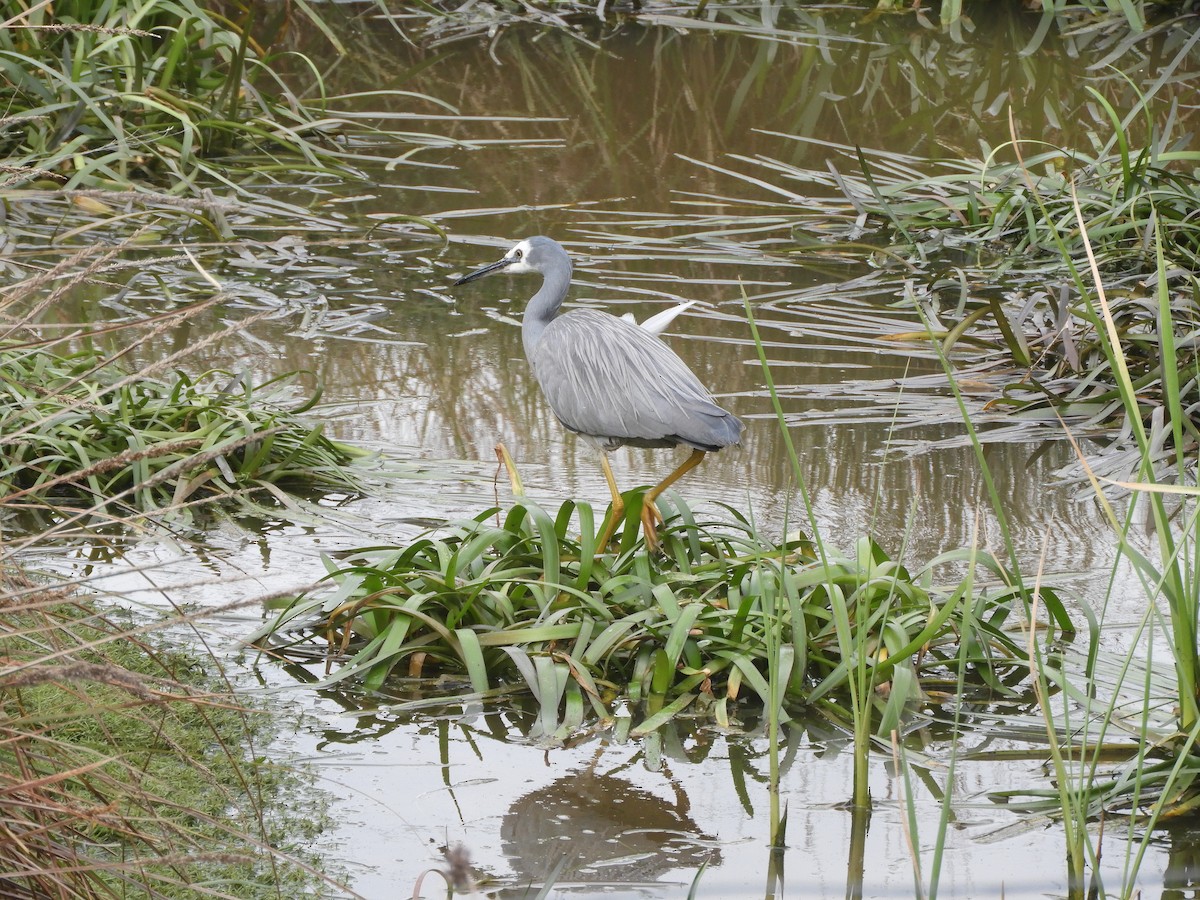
(536, 254)
(520, 259)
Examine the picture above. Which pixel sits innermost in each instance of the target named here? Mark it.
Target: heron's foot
(651, 519)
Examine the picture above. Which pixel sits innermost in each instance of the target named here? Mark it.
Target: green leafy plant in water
(1170, 780)
(1164, 766)
(524, 604)
(78, 428)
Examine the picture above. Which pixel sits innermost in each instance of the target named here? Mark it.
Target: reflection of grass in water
(814, 72)
(127, 767)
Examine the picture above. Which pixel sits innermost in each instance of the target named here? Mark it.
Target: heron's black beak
(487, 270)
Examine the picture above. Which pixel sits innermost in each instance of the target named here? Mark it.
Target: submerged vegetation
(989, 253)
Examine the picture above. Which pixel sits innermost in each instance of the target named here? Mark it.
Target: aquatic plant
(524, 603)
(1122, 748)
(75, 427)
(1115, 212)
(992, 254)
(173, 100)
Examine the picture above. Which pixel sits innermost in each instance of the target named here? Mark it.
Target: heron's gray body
(606, 378)
(617, 384)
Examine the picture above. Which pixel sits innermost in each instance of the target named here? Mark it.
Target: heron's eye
(517, 254)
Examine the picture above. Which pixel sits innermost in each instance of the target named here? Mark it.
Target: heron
(611, 381)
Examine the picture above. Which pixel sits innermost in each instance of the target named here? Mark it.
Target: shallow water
(602, 143)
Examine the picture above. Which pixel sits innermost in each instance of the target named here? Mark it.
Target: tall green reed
(1078, 745)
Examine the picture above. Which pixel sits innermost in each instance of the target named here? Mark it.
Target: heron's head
(535, 254)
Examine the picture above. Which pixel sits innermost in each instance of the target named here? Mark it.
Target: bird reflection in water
(586, 830)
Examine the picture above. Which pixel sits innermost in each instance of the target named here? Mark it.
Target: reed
(1126, 708)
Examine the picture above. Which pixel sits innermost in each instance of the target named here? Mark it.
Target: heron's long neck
(544, 307)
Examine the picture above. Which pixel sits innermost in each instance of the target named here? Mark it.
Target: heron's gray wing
(609, 378)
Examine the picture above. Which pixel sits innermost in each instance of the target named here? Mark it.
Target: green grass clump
(105, 94)
(1026, 207)
(128, 769)
(527, 604)
(1037, 225)
(76, 428)
(174, 98)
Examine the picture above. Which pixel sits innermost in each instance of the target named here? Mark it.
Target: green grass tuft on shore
(76, 428)
(129, 769)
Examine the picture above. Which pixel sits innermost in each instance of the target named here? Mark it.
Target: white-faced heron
(612, 381)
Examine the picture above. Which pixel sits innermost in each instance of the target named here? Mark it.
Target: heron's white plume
(659, 322)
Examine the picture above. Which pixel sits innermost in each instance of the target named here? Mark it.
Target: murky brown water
(438, 375)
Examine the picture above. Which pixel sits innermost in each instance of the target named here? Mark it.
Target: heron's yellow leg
(650, 514)
(618, 504)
